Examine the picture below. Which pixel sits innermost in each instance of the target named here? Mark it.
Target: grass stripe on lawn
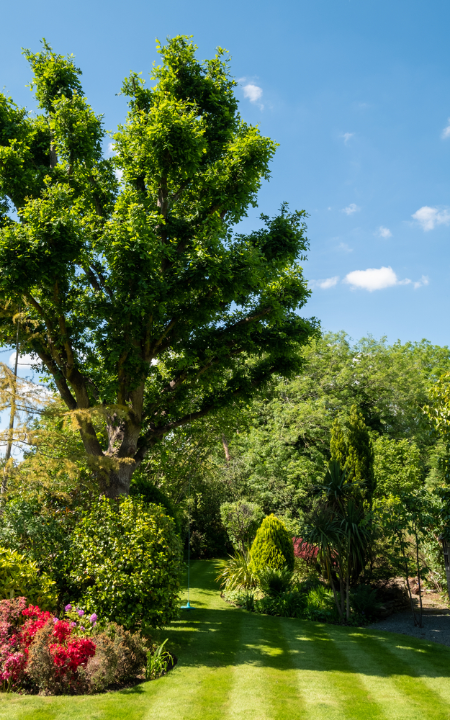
(265, 683)
(325, 677)
(399, 662)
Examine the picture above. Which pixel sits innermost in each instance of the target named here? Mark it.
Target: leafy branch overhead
(135, 296)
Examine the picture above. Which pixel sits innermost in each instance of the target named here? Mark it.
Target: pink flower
(80, 613)
(93, 618)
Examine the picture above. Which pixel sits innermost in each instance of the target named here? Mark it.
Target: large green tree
(128, 284)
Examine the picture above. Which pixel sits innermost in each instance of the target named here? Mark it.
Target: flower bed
(74, 654)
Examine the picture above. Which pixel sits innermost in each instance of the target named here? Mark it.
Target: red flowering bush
(41, 652)
(22, 656)
(69, 657)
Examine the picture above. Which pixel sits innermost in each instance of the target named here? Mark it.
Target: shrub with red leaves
(304, 550)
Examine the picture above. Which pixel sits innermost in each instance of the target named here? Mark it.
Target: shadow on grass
(208, 638)
(219, 637)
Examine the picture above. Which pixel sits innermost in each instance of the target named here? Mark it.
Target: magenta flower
(73, 624)
(80, 613)
(55, 620)
(93, 618)
(81, 627)
(68, 607)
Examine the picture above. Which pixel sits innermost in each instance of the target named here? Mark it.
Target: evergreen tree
(272, 547)
(360, 456)
(338, 444)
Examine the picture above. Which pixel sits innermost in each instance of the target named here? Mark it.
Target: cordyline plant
(339, 527)
(133, 295)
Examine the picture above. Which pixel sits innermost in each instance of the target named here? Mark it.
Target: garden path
(235, 665)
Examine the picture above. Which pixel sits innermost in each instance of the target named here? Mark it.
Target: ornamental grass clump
(235, 573)
(272, 547)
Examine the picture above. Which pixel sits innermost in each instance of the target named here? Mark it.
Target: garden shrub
(274, 582)
(19, 577)
(127, 561)
(40, 530)
(241, 520)
(130, 648)
(236, 573)
(101, 669)
(364, 600)
(39, 652)
(288, 604)
(272, 547)
(119, 656)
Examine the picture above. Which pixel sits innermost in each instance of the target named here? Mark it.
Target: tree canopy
(129, 286)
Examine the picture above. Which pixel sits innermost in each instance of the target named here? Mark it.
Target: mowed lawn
(233, 664)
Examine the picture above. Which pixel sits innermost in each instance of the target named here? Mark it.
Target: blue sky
(357, 93)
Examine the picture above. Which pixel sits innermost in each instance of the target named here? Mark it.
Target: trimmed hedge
(272, 547)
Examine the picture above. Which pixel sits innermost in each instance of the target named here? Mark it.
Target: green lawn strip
(265, 683)
(431, 664)
(234, 665)
(368, 666)
(400, 660)
(326, 678)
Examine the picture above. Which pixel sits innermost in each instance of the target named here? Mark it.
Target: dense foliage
(127, 562)
(241, 520)
(19, 575)
(134, 296)
(279, 444)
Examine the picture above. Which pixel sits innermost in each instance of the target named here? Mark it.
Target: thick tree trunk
(118, 481)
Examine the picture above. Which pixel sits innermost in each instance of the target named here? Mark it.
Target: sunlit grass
(233, 664)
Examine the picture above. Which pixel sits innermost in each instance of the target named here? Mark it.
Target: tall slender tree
(360, 457)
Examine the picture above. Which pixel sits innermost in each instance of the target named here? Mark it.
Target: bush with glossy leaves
(127, 559)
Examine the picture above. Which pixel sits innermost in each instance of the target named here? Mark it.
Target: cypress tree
(338, 444)
(359, 462)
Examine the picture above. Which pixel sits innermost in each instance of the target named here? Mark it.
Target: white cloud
(429, 217)
(347, 137)
(424, 280)
(344, 247)
(24, 360)
(252, 92)
(350, 209)
(374, 279)
(111, 147)
(325, 284)
(384, 232)
(119, 174)
(446, 131)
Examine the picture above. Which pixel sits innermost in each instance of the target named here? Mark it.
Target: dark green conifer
(338, 444)
(359, 462)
